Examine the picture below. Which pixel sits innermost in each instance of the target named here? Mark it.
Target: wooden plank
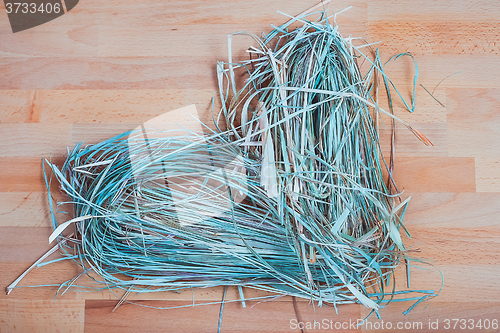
(156, 13)
(261, 317)
(198, 296)
(101, 106)
(446, 37)
(452, 210)
(78, 39)
(473, 122)
(446, 245)
(427, 27)
(471, 70)
(172, 72)
(92, 133)
(32, 140)
(130, 318)
(106, 73)
(435, 174)
(488, 174)
(197, 12)
(41, 316)
(427, 109)
(42, 283)
(17, 106)
(119, 106)
(429, 118)
(24, 209)
(25, 174)
(131, 42)
(24, 244)
(408, 145)
(98, 106)
(460, 282)
(432, 10)
(451, 268)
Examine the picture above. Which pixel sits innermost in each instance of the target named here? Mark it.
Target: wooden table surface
(107, 66)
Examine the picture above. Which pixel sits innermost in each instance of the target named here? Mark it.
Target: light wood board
(107, 66)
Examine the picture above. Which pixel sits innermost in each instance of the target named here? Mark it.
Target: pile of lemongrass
(311, 118)
(289, 198)
(176, 212)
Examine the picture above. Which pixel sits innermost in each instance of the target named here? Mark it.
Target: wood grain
(487, 174)
(473, 122)
(40, 140)
(24, 209)
(435, 174)
(42, 316)
(25, 173)
(453, 210)
(263, 317)
(109, 66)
